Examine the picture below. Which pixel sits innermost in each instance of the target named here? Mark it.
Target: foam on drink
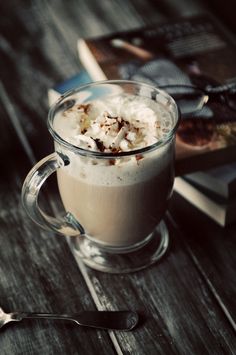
(116, 124)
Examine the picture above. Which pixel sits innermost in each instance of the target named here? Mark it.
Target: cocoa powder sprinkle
(84, 107)
(99, 144)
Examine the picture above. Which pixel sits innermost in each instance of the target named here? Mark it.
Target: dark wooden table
(187, 302)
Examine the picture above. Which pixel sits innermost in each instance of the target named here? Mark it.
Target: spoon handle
(115, 320)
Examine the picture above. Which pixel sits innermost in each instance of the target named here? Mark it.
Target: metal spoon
(114, 320)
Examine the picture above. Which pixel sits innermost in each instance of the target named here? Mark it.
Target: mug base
(102, 259)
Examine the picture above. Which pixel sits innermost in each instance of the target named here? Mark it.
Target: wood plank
(212, 250)
(37, 271)
(179, 313)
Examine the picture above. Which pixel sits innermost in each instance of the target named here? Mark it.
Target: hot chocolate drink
(118, 196)
(114, 159)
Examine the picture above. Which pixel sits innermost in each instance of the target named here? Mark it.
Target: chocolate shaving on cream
(118, 123)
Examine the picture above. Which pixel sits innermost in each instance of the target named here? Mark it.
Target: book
(221, 210)
(189, 51)
(69, 84)
(221, 180)
(201, 189)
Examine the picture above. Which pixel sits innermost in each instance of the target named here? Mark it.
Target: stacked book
(212, 192)
(189, 51)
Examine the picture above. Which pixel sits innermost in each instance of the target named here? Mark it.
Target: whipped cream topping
(118, 123)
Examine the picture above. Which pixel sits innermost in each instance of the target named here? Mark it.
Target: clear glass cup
(114, 202)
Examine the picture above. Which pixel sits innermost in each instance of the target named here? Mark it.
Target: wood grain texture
(180, 314)
(37, 270)
(187, 302)
(212, 251)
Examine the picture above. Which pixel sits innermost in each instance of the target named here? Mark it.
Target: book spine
(89, 62)
(201, 201)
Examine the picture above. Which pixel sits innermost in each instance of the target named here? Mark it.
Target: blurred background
(38, 46)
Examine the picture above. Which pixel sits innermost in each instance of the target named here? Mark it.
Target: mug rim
(109, 155)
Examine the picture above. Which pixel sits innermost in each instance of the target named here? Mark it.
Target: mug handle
(66, 225)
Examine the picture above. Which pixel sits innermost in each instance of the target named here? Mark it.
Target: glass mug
(114, 202)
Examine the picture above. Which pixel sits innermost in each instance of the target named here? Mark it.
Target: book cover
(220, 180)
(194, 187)
(74, 82)
(221, 210)
(190, 51)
